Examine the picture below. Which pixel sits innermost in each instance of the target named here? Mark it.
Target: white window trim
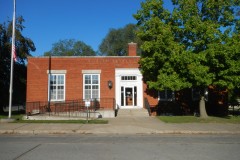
(56, 71)
(99, 82)
(91, 71)
(64, 92)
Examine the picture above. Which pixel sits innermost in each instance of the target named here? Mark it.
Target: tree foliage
(23, 47)
(70, 47)
(116, 41)
(196, 44)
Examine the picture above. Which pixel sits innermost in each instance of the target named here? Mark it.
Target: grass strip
(17, 116)
(193, 119)
(18, 119)
(64, 121)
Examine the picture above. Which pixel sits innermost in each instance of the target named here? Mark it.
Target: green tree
(159, 48)
(23, 46)
(195, 45)
(70, 47)
(116, 41)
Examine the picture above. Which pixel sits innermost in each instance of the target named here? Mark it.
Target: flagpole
(12, 56)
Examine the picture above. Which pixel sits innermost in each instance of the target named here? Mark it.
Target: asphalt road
(120, 147)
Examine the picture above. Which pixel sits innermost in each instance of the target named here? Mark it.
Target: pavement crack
(20, 126)
(24, 153)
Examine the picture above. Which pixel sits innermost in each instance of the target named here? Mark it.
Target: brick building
(53, 80)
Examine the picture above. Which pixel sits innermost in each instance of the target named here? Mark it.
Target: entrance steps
(132, 113)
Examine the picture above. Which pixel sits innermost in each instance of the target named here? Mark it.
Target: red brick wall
(37, 80)
(37, 77)
(132, 49)
(152, 97)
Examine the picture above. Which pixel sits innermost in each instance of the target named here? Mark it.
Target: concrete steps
(132, 113)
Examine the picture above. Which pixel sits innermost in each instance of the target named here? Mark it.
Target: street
(120, 147)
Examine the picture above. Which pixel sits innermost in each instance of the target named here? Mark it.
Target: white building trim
(138, 83)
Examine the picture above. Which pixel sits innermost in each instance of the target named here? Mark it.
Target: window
(196, 94)
(166, 95)
(57, 87)
(128, 78)
(91, 86)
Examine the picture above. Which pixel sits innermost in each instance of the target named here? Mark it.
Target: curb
(79, 132)
(197, 132)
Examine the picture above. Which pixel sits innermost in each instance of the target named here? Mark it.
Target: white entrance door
(128, 96)
(129, 90)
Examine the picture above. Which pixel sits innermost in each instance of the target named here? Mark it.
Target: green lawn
(193, 119)
(18, 118)
(14, 116)
(97, 121)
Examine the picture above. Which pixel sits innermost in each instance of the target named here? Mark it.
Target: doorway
(129, 88)
(128, 96)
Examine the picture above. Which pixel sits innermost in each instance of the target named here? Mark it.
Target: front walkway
(121, 125)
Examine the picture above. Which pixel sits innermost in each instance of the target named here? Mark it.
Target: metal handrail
(147, 106)
(69, 107)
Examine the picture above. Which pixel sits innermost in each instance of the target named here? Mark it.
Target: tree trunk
(202, 108)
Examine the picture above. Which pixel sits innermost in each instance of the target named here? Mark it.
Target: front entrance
(128, 96)
(129, 88)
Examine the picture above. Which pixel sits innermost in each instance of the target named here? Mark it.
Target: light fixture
(110, 85)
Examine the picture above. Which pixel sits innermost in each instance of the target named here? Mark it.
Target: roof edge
(85, 57)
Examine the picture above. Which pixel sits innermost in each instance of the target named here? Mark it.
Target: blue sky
(48, 21)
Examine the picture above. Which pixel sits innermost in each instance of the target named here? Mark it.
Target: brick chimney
(132, 49)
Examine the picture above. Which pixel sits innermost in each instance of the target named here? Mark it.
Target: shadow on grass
(15, 115)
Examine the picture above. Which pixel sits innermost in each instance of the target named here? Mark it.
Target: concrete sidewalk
(121, 125)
